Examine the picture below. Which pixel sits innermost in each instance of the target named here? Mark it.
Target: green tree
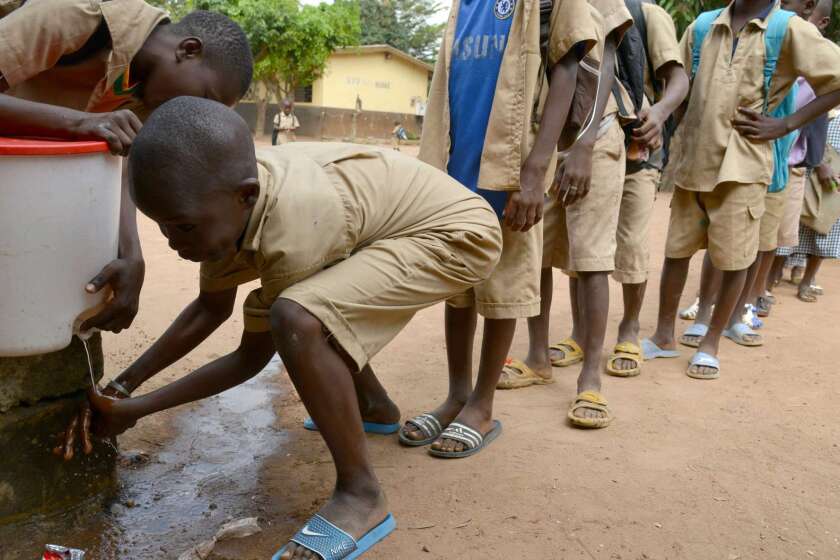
(291, 43)
(403, 24)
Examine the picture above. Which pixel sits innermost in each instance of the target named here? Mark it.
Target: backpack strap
(702, 25)
(773, 39)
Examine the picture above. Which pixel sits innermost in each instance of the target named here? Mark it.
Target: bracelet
(119, 388)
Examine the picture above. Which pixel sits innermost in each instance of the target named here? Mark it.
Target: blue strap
(773, 39)
(325, 539)
(702, 25)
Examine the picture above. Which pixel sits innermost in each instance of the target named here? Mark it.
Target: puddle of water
(207, 474)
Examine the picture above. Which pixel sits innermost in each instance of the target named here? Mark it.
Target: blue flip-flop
(651, 351)
(697, 329)
(370, 427)
(705, 360)
(739, 332)
(332, 543)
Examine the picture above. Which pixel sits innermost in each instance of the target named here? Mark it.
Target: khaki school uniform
(789, 228)
(35, 37)
(582, 237)
(632, 238)
(771, 221)
(286, 126)
(721, 177)
(361, 237)
(513, 290)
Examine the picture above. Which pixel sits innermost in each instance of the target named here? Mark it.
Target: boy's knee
(292, 324)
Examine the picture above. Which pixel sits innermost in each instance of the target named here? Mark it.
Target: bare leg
(577, 323)
(374, 403)
(628, 329)
(324, 381)
(538, 327)
(730, 292)
(594, 304)
(674, 274)
(776, 273)
(746, 292)
(478, 412)
(459, 324)
(809, 278)
(710, 280)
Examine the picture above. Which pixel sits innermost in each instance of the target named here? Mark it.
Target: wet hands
(757, 127)
(118, 129)
(78, 432)
(112, 415)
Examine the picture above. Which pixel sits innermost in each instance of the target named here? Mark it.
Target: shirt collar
(253, 231)
(760, 20)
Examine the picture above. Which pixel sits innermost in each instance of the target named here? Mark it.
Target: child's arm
(576, 174)
(112, 416)
(675, 92)
(192, 327)
(762, 128)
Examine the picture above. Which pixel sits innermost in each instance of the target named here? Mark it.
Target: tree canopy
(403, 24)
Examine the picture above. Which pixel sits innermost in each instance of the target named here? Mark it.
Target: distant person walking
(285, 125)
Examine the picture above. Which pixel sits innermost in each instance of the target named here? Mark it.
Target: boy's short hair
(226, 47)
(823, 8)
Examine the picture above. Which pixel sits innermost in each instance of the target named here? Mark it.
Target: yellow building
(378, 77)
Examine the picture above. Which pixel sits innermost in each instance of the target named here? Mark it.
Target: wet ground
(180, 492)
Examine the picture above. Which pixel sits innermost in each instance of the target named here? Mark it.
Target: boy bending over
(348, 243)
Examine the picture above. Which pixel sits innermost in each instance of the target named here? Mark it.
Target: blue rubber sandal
(370, 427)
(703, 360)
(697, 331)
(651, 351)
(739, 334)
(332, 543)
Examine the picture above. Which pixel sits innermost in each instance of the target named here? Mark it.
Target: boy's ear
(190, 47)
(248, 192)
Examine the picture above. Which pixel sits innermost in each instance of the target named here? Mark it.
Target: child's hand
(79, 430)
(118, 129)
(524, 207)
(574, 177)
(754, 126)
(649, 131)
(828, 179)
(111, 415)
(125, 276)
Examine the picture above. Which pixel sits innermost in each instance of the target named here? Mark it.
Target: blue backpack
(773, 38)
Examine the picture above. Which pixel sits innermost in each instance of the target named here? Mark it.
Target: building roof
(387, 49)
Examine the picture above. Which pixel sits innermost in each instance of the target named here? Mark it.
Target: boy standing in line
(493, 122)
(722, 174)
(285, 125)
(580, 238)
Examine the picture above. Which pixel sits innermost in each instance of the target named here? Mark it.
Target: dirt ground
(744, 467)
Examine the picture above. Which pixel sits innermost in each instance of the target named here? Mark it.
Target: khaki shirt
(8, 6)
(285, 122)
(316, 207)
(712, 151)
(662, 46)
(34, 37)
(510, 130)
(612, 17)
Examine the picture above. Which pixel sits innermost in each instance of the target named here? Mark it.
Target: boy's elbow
(218, 306)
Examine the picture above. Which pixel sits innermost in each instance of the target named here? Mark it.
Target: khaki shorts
(365, 300)
(725, 220)
(513, 289)
(789, 228)
(637, 199)
(582, 237)
(774, 207)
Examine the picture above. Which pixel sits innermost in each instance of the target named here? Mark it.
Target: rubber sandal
(763, 307)
(370, 427)
(590, 400)
(704, 360)
(750, 317)
(650, 351)
(696, 331)
(474, 441)
(807, 295)
(625, 351)
(332, 543)
(817, 289)
(572, 353)
(428, 425)
(516, 374)
(739, 333)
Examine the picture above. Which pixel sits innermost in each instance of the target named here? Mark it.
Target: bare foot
(472, 416)
(445, 414)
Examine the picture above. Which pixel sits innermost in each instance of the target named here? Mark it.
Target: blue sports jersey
(480, 39)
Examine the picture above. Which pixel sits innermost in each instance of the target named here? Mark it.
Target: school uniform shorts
(582, 237)
(774, 208)
(632, 255)
(789, 228)
(726, 221)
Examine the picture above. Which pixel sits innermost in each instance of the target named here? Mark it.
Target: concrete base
(32, 479)
(34, 378)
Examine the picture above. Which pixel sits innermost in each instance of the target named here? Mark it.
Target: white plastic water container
(59, 226)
